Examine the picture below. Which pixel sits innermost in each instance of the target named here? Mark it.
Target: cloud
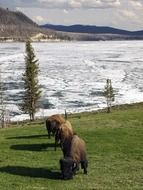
(68, 4)
(130, 19)
(19, 9)
(39, 18)
(136, 4)
(65, 11)
(61, 4)
(126, 13)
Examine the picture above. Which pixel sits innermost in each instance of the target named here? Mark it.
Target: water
(73, 74)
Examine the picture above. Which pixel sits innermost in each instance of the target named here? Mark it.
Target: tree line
(32, 91)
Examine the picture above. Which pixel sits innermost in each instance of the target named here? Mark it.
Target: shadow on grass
(33, 147)
(31, 172)
(28, 137)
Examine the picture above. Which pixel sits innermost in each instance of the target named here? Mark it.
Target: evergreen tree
(32, 91)
(109, 94)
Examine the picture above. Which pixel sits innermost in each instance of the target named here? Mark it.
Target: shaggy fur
(53, 122)
(73, 148)
(56, 123)
(77, 149)
(64, 133)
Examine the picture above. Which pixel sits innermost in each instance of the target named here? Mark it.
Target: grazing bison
(65, 130)
(54, 123)
(68, 168)
(74, 152)
(64, 133)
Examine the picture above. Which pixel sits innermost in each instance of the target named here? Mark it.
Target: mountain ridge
(91, 29)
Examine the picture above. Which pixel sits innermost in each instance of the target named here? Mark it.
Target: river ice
(73, 74)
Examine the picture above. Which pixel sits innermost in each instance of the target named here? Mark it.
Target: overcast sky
(123, 14)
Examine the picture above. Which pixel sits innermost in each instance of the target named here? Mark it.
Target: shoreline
(80, 114)
(61, 40)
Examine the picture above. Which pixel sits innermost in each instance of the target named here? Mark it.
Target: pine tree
(109, 94)
(32, 91)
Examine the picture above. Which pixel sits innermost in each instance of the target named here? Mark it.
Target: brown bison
(68, 131)
(74, 151)
(53, 123)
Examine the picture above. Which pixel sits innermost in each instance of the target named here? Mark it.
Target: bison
(68, 131)
(68, 168)
(74, 152)
(54, 123)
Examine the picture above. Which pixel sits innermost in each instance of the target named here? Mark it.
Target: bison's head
(51, 127)
(68, 168)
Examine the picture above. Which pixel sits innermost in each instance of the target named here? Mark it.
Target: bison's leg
(75, 167)
(56, 143)
(48, 127)
(49, 133)
(56, 133)
(84, 165)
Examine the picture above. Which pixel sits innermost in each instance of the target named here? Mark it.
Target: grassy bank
(114, 147)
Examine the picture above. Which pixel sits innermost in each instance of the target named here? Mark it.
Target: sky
(123, 14)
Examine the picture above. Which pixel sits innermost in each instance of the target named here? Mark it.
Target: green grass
(114, 149)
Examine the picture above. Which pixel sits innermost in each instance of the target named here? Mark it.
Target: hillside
(91, 32)
(87, 29)
(17, 26)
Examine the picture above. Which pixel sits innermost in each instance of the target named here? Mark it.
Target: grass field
(114, 149)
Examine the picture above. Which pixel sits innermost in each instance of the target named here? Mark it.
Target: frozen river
(73, 74)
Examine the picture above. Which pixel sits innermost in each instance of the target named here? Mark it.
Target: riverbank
(117, 108)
